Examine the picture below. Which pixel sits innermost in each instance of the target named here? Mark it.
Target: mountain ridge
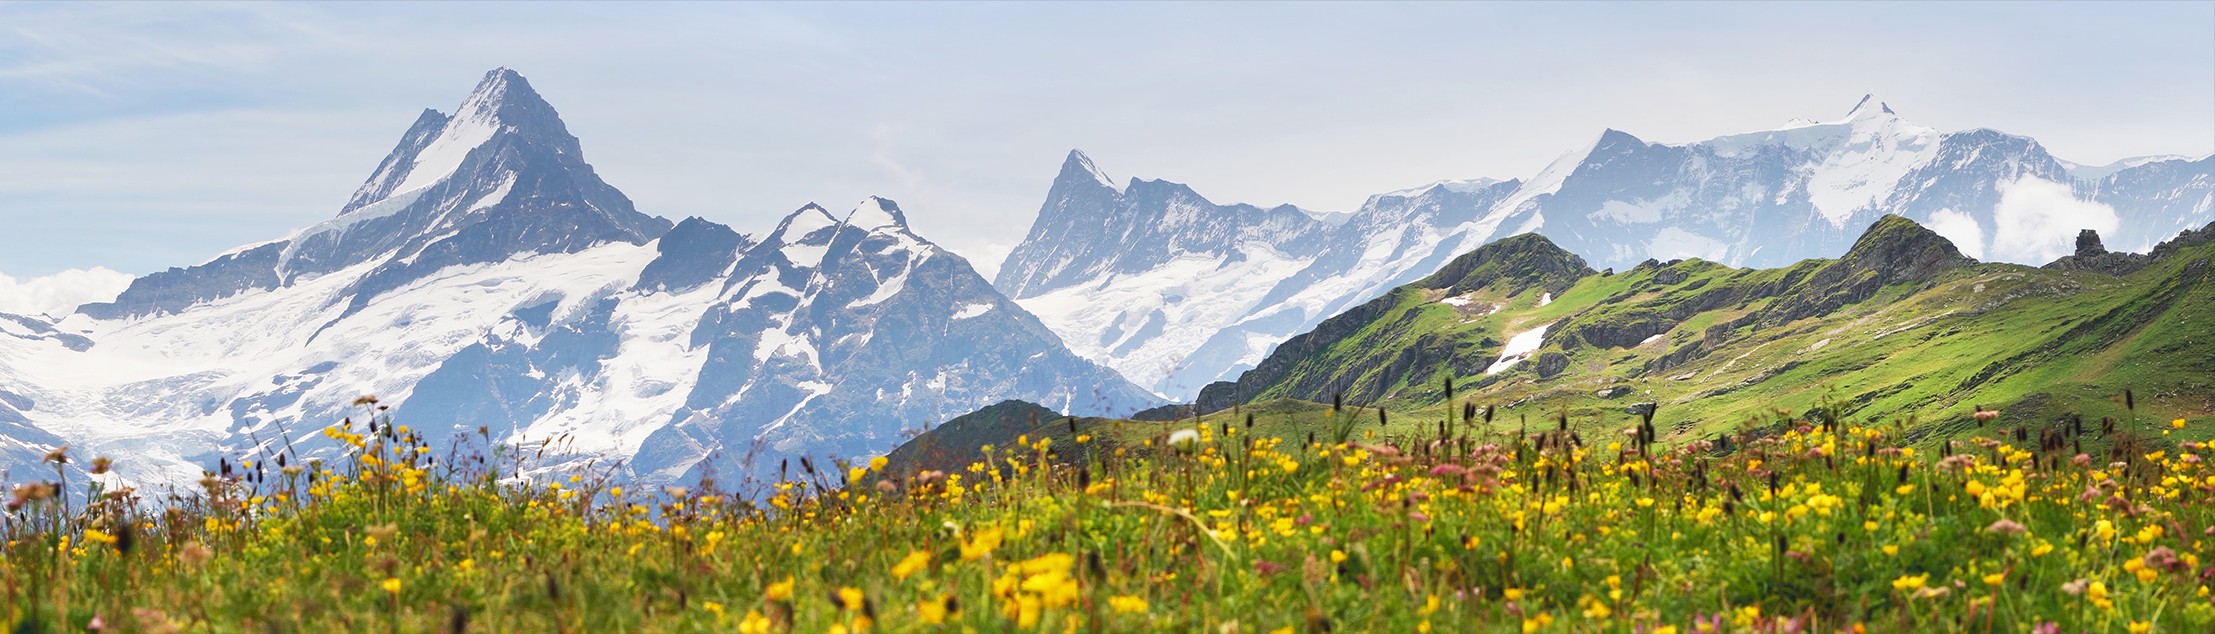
(491, 289)
(1766, 198)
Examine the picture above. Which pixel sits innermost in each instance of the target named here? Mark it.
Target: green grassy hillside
(1900, 327)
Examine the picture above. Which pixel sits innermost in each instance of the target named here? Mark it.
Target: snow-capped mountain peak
(436, 145)
(1869, 108)
(1078, 165)
(877, 213)
(801, 223)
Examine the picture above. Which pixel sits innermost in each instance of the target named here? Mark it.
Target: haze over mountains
(484, 276)
(1176, 291)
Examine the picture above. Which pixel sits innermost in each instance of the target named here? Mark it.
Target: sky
(137, 137)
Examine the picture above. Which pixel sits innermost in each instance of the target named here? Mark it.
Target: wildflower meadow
(1796, 523)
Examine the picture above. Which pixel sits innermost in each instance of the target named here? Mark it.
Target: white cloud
(1960, 228)
(2037, 221)
(60, 293)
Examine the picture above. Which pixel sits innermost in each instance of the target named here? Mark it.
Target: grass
(2034, 343)
(1787, 524)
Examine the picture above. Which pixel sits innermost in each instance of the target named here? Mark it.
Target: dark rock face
(2093, 256)
(2088, 244)
(173, 290)
(1551, 364)
(40, 329)
(692, 254)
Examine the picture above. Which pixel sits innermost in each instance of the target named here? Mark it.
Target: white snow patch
(1545, 299)
(1654, 338)
(1455, 301)
(1519, 348)
(473, 124)
(151, 385)
(972, 310)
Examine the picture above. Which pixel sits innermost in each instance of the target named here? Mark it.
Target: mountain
(1901, 325)
(487, 285)
(1116, 271)
(1176, 291)
(1900, 329)
(501, 178)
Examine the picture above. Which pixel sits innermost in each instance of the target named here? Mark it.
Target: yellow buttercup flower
(781, 591)
(1910, 582)
(1126, 604)
(908, 566)
(985, 541)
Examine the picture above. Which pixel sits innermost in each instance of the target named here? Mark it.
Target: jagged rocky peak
(1869, 108)
(877, 213)
(801, 223)
(1078, 168)
(2088, 244)
(500, 178)
(436, 145)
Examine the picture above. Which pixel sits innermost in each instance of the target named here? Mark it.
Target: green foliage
(1791, 523)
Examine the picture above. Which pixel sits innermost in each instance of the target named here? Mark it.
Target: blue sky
(142, 136)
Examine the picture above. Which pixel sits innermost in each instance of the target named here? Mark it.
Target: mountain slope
(489, 288)
(1901, 325)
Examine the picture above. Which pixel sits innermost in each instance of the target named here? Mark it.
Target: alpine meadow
(1850, 374)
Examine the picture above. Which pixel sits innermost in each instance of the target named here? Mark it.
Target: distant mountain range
(485, 277)
(1176, 291)
(489, 287)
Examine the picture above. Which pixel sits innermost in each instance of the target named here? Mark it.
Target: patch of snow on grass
(1518, 349)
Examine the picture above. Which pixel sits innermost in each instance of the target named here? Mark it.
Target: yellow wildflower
(986, 540)
(781, 591)
(1910, 582)
(1127, 604)
(909, 565)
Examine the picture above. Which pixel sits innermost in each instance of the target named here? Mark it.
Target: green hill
(1902, 326)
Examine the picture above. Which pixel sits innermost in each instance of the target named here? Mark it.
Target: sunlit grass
(1789, 525)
